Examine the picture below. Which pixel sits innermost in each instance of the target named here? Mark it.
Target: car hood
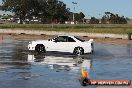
(38, 41)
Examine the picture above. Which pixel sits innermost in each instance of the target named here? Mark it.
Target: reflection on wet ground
(20, 68)
(58, 63)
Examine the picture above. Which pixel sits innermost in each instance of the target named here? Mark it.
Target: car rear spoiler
(91, 40)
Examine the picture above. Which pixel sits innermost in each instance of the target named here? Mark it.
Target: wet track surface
(20, 68)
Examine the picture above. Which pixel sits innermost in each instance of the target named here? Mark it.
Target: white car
(69, 44)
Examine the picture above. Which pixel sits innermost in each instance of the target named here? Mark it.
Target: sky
(97, 8)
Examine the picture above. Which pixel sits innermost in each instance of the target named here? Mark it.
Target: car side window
(70, 39)
(60, 39)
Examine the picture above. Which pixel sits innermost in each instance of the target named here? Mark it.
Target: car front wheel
(78, 51)
(40, 48)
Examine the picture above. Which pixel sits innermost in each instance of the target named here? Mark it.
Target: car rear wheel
(40, 48)
(78, 51)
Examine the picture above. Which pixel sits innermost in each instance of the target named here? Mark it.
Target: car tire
(78, 51)
(40, 48)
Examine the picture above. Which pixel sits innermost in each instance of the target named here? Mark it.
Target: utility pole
(73, 17)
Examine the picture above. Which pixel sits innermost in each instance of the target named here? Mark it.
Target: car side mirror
(54, 40)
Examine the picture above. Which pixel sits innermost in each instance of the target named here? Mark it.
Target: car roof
(67, 35)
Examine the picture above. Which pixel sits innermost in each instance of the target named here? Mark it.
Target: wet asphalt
(20, 68)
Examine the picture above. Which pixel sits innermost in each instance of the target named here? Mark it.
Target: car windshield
(79, 39)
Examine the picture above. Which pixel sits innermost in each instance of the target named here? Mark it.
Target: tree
(16, 6)
(93, 20)
(20, 8)
(46, 10)
(78, 16)
(110, 18)
(56, 10)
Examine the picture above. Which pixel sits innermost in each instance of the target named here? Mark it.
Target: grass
(91, 28)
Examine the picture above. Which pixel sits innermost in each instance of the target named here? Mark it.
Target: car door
(61, 43)
(70, 44)
(57, 44)
(67, 44)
